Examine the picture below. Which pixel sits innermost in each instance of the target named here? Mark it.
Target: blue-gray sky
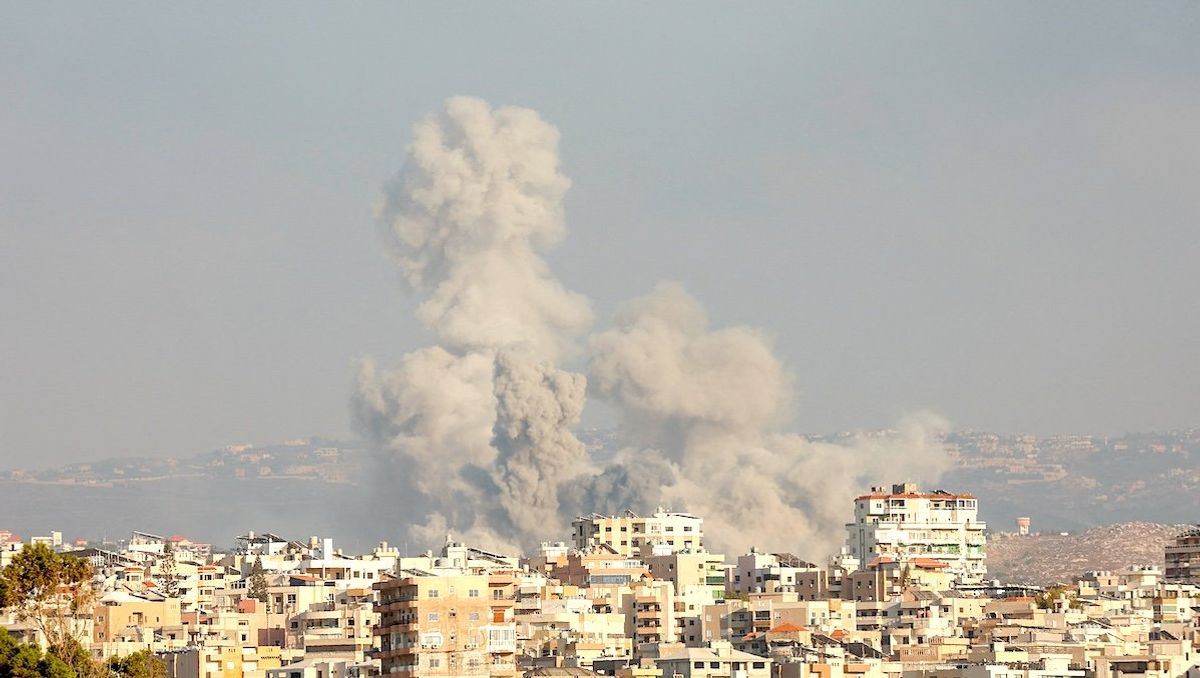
(989, 210)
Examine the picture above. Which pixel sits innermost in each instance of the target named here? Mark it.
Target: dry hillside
(1053, 558)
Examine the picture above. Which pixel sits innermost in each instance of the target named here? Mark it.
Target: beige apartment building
(449, 625)
(121, 622)
(227, 661)
(690, 570)
(626, 534)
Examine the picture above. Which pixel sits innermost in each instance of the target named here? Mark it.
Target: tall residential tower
(906, 524)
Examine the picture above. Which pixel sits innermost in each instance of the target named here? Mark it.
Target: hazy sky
(990, 210)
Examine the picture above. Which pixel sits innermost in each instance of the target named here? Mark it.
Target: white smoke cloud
(478, 430)
(479, 196)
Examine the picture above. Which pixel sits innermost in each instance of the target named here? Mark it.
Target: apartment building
(1183, 558)
(626, 534)
(906, 524)
(447, 625)
(338, 628)
(121, 621)
(225, 661)
(600, 570)
(719, 660)
(758, 572)
(690, 571)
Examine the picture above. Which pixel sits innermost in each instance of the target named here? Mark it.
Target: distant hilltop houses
(1060, 483)
(628, 595)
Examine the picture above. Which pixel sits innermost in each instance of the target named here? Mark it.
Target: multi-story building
(1183, 558)
(122, 622)
(447, 625)
(758, 572)
(340, 628)
(221, 661)
(719, 660)
(690, 571)
(626, 534)
(907, 524)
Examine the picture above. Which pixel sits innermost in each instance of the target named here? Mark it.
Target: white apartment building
(758, 572)
(626, 534)
(906, 524)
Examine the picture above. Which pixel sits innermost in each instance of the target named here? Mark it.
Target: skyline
(190, 258)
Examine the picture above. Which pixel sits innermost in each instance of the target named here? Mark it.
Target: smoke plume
(712, 402)
(477, 432)
(478, 428)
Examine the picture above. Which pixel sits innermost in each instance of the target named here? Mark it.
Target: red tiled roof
(929, 563)
(786, 628)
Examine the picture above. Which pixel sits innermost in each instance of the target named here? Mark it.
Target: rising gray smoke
(479, 197)
(477, 432)
(713, 402)
(538, 408)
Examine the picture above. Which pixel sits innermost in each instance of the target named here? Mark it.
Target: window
(474, 616)
(473, 593)
(714, 665)
(759, 665)
(434, 662)
(434, 616)
(698, 665)
(433, 593)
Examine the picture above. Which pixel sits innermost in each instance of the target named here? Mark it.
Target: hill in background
(1053, 558)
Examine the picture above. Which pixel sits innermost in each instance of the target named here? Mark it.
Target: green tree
(142, 664)
(1046, 600)
(81, 664)
(50, 589)
(22, 660)
(258, 581)
(169, 573)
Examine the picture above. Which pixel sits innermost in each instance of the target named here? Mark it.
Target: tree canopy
(49, 588)
(258, 581)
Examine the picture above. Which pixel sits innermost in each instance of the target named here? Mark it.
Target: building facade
(626, 534)
(451, 625)
(907, 524)
(1183, 558)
